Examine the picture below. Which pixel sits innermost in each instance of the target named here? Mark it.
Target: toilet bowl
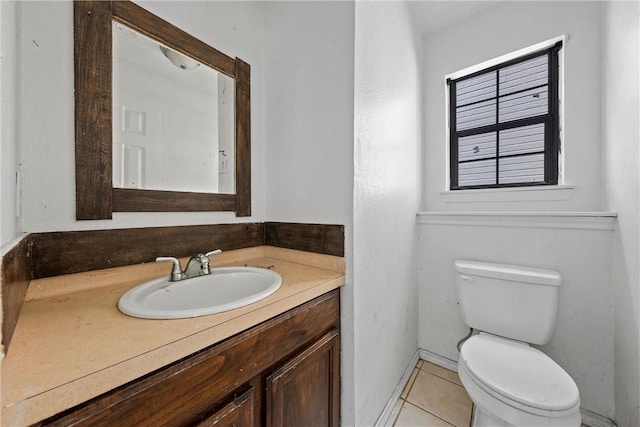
(512, 384)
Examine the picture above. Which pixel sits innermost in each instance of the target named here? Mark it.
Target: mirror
(162, 119)
(173, 119)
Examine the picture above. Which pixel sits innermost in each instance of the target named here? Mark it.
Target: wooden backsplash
(16, 273)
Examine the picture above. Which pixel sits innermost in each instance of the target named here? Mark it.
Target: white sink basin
(224, 289)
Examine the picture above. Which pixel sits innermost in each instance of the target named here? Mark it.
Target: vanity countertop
(72, 344)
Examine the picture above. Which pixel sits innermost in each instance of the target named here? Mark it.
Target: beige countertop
(71, 343)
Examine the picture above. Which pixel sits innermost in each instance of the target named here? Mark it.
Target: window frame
(551, 119)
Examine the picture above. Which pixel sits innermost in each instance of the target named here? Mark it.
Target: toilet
(509, 382)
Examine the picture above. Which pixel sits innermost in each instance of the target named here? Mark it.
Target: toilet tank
(511, 301)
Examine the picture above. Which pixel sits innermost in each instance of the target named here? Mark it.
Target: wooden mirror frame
(95, 196)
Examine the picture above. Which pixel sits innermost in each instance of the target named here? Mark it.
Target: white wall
(583, 339)
(47, 112)
(8, 146)
(386, 197)
(309, 111)
(309, 131)
(621, 134)
(502, 29)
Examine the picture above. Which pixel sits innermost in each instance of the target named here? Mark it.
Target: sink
(224, 289)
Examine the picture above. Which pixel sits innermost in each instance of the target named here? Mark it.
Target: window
(504, 123)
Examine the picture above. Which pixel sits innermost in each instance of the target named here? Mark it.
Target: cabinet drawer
(237, 413)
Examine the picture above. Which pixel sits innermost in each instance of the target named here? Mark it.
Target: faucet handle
(176, 270)
(204, 262)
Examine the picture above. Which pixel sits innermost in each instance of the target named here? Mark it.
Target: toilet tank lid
(516, 273)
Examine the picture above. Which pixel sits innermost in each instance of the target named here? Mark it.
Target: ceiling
(431, 16)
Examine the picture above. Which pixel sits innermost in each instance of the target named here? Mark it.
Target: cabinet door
(238, 413)
(305, 392)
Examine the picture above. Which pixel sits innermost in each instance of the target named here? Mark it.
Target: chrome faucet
(198, 265)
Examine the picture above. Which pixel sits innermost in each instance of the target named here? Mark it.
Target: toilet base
(486, 419)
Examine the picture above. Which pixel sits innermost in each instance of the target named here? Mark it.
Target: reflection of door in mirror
(173, 119)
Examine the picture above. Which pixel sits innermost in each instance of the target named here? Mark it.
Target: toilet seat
(519, 375)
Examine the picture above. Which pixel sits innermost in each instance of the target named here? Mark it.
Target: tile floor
(434, 396)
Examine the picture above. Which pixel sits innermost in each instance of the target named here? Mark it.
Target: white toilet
(510, 383)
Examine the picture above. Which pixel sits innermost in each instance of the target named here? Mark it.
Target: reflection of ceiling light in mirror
(178, 59)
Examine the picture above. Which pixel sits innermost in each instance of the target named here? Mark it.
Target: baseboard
(388, 414)
(436, 359)
(591, 419)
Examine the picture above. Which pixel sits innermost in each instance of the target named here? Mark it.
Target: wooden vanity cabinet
(283, 372)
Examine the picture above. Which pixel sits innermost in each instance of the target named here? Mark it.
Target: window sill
(509, 194)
